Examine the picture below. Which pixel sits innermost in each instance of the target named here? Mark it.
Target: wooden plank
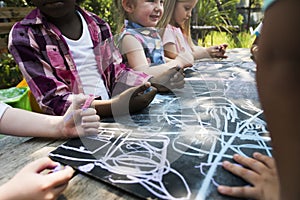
(215, 28)
(8, 17)
(5, 27)
(14, 13)
(3, 43)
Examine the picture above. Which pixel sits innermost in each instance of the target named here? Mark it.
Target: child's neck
(141, 24)
(70, 26)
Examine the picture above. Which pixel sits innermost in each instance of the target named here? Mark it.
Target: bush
(245, 39)
(10, 74)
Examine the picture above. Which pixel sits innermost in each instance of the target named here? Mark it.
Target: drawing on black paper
(174, 150)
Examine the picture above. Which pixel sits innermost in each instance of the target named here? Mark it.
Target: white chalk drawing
(203, 125)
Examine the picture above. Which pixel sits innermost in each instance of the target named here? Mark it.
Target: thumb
(143, 87)
(77, 102)
(41, 164)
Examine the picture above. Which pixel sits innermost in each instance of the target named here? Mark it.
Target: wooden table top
(16, 152)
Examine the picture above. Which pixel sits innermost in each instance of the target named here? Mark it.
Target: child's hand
(30, 184)
(217, 51)
(254, 51)
(170, 79)
(133, 99)
(185, 59)
(262, 174)
(79, 121)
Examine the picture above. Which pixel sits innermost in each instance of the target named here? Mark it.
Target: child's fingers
(90, 124)
(90, 131)
(142, 88)
(177, 77)
(246, 174)
(78, 100)
(268, 161)
(174, 70)
(251, 163)
(242, 192)
(90, 119)
(89, 112)
(60, 177)
(177, 84)
(41, 164)
(149, 94)
(224, 46)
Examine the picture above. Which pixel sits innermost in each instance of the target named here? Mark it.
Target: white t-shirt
(84, 58)
(175, 36)
(3, 108)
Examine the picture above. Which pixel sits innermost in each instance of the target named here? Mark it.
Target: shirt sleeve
(48, 85)
(267, 4)
(169, 36)
(3, 108)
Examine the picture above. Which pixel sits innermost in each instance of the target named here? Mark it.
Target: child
(140, 42)
(29, 183)
(63, 50)
(176, 35)
(278, 87)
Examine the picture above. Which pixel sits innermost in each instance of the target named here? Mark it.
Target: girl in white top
(176, 35)
(29, 182)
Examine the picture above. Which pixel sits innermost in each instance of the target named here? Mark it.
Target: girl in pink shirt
(175, 32)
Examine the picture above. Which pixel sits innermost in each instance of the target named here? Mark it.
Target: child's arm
(134, 52)
(259, 171)
(217, 51)
(74, 123)
(131, 100)
(30, 183)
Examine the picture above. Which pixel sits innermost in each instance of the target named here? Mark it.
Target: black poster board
(174, 148)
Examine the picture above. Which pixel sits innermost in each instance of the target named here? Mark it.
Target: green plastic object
(16, 97)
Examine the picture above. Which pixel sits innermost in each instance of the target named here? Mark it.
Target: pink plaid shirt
(46, 62)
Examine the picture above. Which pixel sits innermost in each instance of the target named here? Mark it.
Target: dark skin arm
(278, 72)
(131, 100)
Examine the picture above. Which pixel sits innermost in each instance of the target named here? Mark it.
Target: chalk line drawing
(202, 122)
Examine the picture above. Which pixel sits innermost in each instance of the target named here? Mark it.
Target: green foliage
(10, 74)
(16, 3)
(104, 9)
(219, 14)
(210, 13)
(215, 38)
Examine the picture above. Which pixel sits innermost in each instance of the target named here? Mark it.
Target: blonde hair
(122, 13)
(167, 18)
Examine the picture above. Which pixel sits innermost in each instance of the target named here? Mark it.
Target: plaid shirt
(45, 61)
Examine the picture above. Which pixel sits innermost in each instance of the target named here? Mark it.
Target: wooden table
(16, 152)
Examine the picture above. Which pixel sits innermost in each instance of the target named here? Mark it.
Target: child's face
(55, 8)
(183, 11)
(147, 12)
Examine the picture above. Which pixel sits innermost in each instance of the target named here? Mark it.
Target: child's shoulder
(91, 15)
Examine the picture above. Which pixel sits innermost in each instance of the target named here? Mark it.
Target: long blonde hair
(167, 18)
(122, 13)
